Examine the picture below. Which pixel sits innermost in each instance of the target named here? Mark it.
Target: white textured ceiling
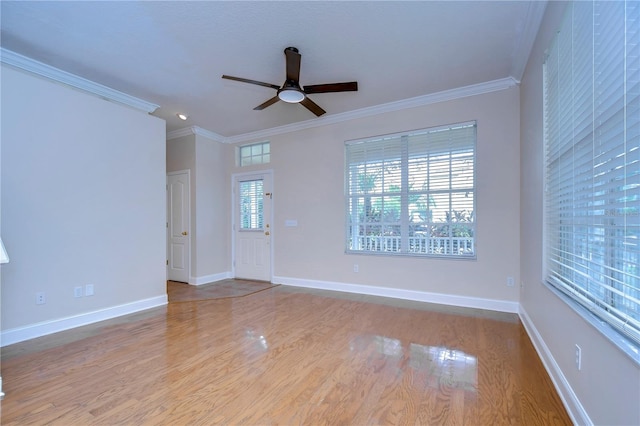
(173, 53)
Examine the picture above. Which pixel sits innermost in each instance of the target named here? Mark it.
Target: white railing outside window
(420, 245)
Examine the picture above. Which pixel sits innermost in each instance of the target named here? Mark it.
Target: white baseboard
(396, 293)
(206, 279)
(575, 409)
(20, 334)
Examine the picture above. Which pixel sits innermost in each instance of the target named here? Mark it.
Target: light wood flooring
(284, 356)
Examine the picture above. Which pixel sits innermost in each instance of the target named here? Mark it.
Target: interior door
(252, 226)
(178, 250)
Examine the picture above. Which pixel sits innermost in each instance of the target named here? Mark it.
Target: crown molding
(30, 65)
(208, 134)
(522, 48)
(195, 130)
(175, 134)
(446, 95)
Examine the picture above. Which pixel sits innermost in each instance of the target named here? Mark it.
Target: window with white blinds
(412, 193)
(251, 204)
(592, 132)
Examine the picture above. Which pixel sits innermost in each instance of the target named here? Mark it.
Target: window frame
(416, 223)
(259, 153)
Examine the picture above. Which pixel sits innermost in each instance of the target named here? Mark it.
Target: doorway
(252, 230)
(178, 226)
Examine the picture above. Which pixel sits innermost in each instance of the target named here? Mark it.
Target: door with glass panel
(252, 226)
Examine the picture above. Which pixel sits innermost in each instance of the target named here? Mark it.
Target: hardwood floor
(284, 356)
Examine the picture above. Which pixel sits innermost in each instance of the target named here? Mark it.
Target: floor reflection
(451, 367)
(260, 342)
(443, 366)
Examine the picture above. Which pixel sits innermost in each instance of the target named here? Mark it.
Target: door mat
(182, 292)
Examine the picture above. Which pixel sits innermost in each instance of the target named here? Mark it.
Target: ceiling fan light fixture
(291, 95)
(291, 91)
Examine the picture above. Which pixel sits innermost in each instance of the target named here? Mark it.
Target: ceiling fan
(291, 91)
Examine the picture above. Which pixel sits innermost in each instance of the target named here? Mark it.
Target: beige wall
(308, 169)
(83, 202)
(210, 201)
(212, 209)
(608, 385)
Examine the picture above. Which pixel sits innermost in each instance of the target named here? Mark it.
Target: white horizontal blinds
(251, 204)
(374, 183)
(413, 193)
(592, 128)
(629, 211)
(441, 189)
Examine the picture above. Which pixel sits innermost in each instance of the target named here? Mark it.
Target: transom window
(257, 153)
(412, 193)
(592, 132)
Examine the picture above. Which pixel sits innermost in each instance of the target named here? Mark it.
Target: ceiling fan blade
(245, 80)
(293, 63)
(312, 106)
(351, 86)
(267, 103)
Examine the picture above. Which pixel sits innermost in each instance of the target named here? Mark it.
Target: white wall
(607, 388)
(308, 170)
(83, 202)
(210, 204)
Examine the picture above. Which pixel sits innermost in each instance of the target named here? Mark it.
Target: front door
(252, 226)
(178, 250)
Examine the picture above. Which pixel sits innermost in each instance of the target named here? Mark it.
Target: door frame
(234, 219)
(168, 217)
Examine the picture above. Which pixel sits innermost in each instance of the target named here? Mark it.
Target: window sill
(624, 344)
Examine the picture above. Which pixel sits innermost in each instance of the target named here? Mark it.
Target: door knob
(184, 233)
(267, 233)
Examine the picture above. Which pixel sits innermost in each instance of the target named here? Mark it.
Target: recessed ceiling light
(182, 116)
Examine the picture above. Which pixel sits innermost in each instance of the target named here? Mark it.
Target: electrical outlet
(77, 291)
(510, 282)
(40, 298)
(356, 268)
(88, 290)
(578, 357)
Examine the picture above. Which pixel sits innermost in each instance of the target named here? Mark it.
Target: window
(412, 193)
(251, 204)
(592, 132)
(257, 153)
